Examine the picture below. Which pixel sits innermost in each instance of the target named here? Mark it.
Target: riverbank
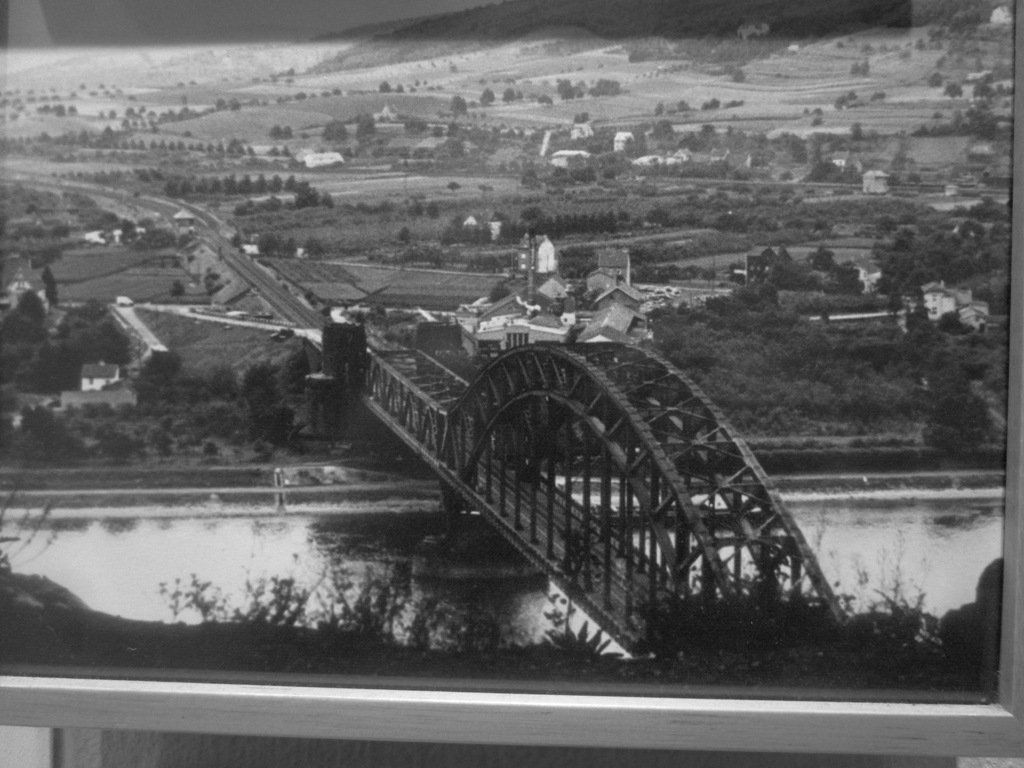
(316, 489)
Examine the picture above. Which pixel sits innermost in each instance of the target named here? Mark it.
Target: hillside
(621, 19)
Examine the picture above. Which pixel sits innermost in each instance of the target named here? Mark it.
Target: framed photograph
(530, 373)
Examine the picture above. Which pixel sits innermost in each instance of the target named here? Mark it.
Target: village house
(615, 323)
(940, 300)
(845, 160)
(875, 183)
(99, 376)
(622, 140)
(617, 260)
(183, 221)
(101, 385)
(19, 279)
(623, 294)
(555, 288)
(581, 131)
(387, 115)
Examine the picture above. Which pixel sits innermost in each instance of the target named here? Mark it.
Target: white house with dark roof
(98, 376)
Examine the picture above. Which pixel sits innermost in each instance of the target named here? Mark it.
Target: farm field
(103, 275)
(427, 289)
(204, 345)
(141, 284)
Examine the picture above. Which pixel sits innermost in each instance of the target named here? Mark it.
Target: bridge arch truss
(609, 469)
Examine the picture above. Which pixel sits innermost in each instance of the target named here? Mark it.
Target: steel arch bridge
(608, 469)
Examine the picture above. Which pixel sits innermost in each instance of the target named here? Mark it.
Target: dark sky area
(133, 22)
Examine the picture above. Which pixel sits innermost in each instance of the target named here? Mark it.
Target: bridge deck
(608, 469)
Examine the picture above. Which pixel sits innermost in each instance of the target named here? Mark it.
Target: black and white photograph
(646, 348)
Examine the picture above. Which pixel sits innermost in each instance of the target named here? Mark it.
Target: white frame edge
(597, 721)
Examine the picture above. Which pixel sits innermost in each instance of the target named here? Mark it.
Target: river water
(116, 560)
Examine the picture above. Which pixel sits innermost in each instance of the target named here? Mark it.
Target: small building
(615, 323)
(581, 131)
(96, 237)
(622, 140)
(846, 161)
(99, 376)
(569, 158)
(183, 220)
(601, 279)
(495, 226)
(555, 288)
(321, 159)
(471, 223)
(386, 115)
(875, 183)
(975, 315)
(19, 279)
(623, 294)
(951, 190)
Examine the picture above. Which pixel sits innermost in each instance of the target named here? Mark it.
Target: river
(116, 559)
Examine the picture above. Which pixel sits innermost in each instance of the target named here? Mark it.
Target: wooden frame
(610, 721)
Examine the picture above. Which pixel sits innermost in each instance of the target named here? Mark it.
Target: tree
(366, 126)
(935, 80)
(31, 307)
(384, 87)
(508, 95)
(269, 418)
(458, 106)
(487, 97)
(953, 90)
(177, 288)
(454, 186)
(335, 131)
(49, 286)
(958, 419)
(823, 260)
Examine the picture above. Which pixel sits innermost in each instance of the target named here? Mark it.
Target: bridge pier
(333, 393)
